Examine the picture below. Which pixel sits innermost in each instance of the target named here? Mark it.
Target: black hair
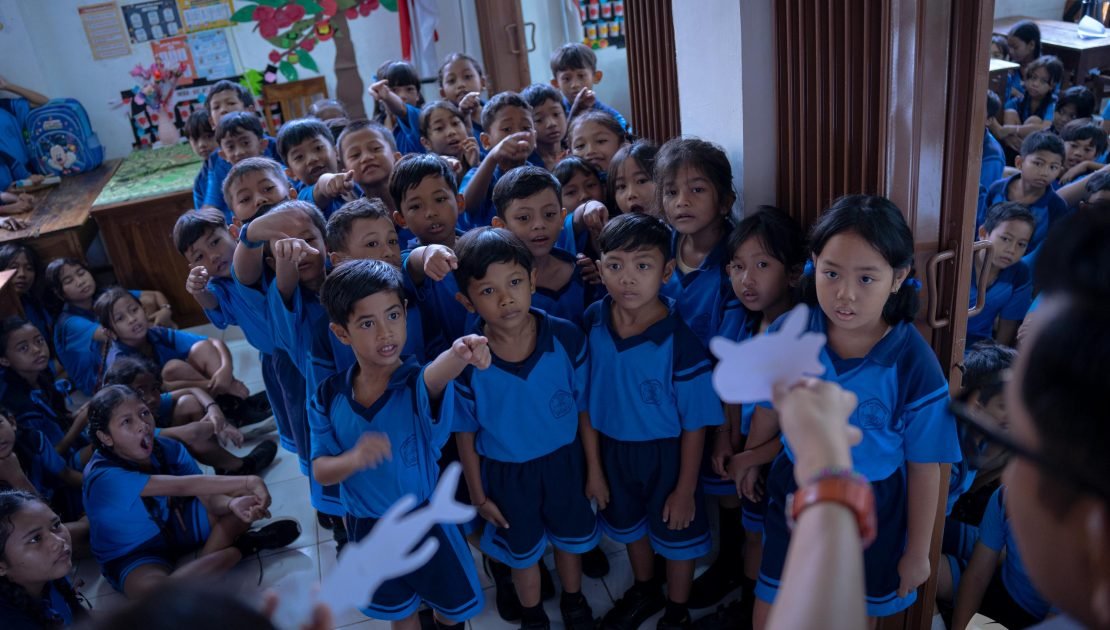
(54, 274)
(1074, 257)
(643, 152)
(539, 93)
(573, 56)
(605, 119)
(447, 106)
(236, 122)
(1027, 31)
(224, 85)
(630, 232)
(198, 125)
(1081, 97)
(44, 380)
(339, 223)
(878, 221)
(397, 73)
(984, 369)
(1004, 211)
(297, 131)
(308, 208)
(8, 252)
(252, 165)
(1085, 130)
(567, 167)
(354, 280)
(521, 182)
(358, 125)
(325, 103)
(1003, 45)
(413, 168)
(184, 605)
(1043, 141)
(336, 127)
(126, 369)
(481, 247)
(779, 233)
(499, 102)
(8, 326)
(706, 157)
(12, 502)
(994, 104)
(1050, 64)
(452, 58)
(106, 301)
(194, 225)
(1098, 181)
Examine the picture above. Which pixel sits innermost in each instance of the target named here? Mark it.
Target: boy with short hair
(1084, 142)
(307, 149)
(523, 416)
(574, 71)
(652, 418)
(224, 98)
(239, 136)
(1009, 226)
(377, 431)
(250, 186)
(510, 139)
(202, 138)
(549, 117)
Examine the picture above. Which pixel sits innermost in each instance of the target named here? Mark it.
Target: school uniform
(1011, 597)
(218, 170)
(53, 606)
(1008, 297)
(13, 122)
(659, 385)
(127, 530)
(444, 318)
(81, 354)
(703, 296)
(903, 414)
(168, 344)
(571, 300)
(1024, 107)
(34, 408)
(484, 213)
(43, 467)
(958, 538)
(1047, 210)
(200, 185)
(525, 419)
(417, 429)
(306, 194)
(994, 161)
(406, 131)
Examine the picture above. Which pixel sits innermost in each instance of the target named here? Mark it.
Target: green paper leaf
(288, 71)
(273, 3)
(389, 5)
(244, 14)
(310, 6)
(307, 61)
(252, 80)
(277, 42)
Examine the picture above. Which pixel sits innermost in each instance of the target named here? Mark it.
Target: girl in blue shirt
(28, 283)
(28, 462)
(397, 103)
(1023, 45)
(596, 136)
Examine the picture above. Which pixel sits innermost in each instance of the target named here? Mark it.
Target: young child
(202, 138)
(1009, 227)
(580, 182)
(999, 48)
(307, 149)
(532, 486)
(994, 157)
(377, 429)
(1024, 45)
(863, 252)
(510, 140)
(29, 462)
(397, 98)
(367, 150)
(1076, 103)
(1084, 142)
(253, 185)
(596, 136)
(224, 98)
(574, 71)
(1033, 110)
(28, 283)
(461, 81)
(1041, 161)
(149, 504)
(239, 136)
(549, 117)
(652, 417)
(444, 131)
(327, 109)
(630, 185)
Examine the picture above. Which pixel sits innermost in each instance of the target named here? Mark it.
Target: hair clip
(915, 283)
(808, 269)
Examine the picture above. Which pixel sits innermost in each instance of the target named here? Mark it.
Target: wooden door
(501, 31)
(652, 70)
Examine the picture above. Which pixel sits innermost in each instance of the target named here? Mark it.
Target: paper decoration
(174, 51)
(199, 15)
(212, 54)
(1090, 28)
(748, 371)
(104, 30)
(151, 20)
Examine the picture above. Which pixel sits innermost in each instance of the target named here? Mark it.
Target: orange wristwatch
(841, 486)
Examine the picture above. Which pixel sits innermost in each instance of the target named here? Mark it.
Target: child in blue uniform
(523, 417)
(224, 98)
(461, 81)
(444, 131)
(1009, 227)
(863, 259)
(397, 98)
(202, 139)
(994, 158)
(630, 185)
(596, 136)
(510, 140)
(694, 189)
(307, 149)
(574, 71)
(1076, 103)
(149, 504)
(36, 553)
(1038, 102)
(369, 152)
(377, 429)
(549, 118)
(1084, 143)
(29, 462)
(240, 136)
(652, 416)
(28, 283)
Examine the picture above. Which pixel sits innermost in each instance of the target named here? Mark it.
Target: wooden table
(1078, 55)
(136, 212)
(999, 74)
(59, 225)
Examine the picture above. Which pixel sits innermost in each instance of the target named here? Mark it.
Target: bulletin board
(199, 15)
(151, 20)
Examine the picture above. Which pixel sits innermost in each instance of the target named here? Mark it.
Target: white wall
(1046, 9)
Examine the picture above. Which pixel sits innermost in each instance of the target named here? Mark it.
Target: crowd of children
(519, 284)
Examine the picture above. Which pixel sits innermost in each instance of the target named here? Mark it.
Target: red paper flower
(308, 44)
(275, 56)
(352, 13)
(324, 31)
(367, 7)
(263, 13)
(289, 14)
(330, 7)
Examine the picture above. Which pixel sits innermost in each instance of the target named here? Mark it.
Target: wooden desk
(1078, 55)
(136, 212)
(10, 304)
(999, 73)
(59, 225)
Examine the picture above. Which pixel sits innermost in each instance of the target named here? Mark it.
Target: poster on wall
(200, 15)
(212, 54)
(152, 20)
(104, 30)
(173, 51)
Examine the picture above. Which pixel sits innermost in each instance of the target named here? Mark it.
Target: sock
(533, 613)
(675, 612)
(732, 535)
(651, 586)
(571, 599)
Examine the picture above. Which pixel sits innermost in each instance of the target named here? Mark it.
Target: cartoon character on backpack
(62, 141)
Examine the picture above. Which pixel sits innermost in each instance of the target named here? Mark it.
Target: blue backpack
(62, 141)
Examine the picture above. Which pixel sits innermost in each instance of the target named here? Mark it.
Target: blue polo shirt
(445, 319)
(995, 533)
(218, 169)
(241, 306)
(704, 294)
(994, 161)
(598, 105)
(527, 409)
(53, 606)
(739, 324)
(1047, 210)
(44, 465)
(1008, 297)
(570, 301)
(406, 131)
(306, 193)
(13, 123)
(31, 406)
(75, 347)
(659, 383)
(484, 213)
(167, 343)
(417, 431)
(200, 185)
(1024, 107)
(301, 329)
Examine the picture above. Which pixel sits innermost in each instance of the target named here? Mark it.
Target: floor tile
(283, 468)
(275, 567)
(88, 572)
(290, 500)
(367, 624)
(106, 603)
(327, 564)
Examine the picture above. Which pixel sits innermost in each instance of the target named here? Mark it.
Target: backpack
(62, 141)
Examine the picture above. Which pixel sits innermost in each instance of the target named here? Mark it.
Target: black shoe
(576, 613)
(595, 564)
(634, 607)
(242, 412)
(275, 535)
(255, 461)
(735, 615)
(339, 534)
(684, 624)
(326, 521)
(547, 585)
(536, 624)
(721, 578)
(508, 603)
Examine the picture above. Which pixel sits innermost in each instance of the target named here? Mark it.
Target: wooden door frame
(504, 52)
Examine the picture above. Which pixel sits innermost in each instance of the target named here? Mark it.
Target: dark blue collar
(713, 260)
(657, 333)
(398, 380)
(885, 352)
(545, 343)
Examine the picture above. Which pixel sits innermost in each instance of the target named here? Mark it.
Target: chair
(289, 101)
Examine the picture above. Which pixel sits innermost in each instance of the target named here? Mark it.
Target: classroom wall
(1046, 9)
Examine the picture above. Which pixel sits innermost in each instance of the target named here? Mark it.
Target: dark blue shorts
(752, 513)
(188, 537)
(448, 583)
(275, 393)
(543, 500)
(880, 560)
(710, 482)
(956, 547)
(641, 476)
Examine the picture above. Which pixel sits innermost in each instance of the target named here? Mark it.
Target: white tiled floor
(314, 551)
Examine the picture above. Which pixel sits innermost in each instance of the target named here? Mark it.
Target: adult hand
(814, 416)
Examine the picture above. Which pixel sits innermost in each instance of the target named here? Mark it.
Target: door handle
(981, 279)
(531, 26)
(513, 32)
(931, 270)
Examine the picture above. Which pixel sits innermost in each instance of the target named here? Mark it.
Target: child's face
(1040, 168)
(633, 278)
(27, 351)
(1020, 50)
(24, 276)
(446, 133)
(1038, 83)
(310, 159)
(78, 285)
(690, 202)
(1063, 115)
(129, 321)
(204, 145)
(430, 210)
(550, 120)
(595, 143)
(996, 410)
(1009, 240)
(371, 158)
(39, 548)
(371, 239)
(503, 296)
(214, 250)
(508, 121)
(573, 80)
(580, 188)
(223, 103)
(241, 145)
(1079, 151)
(634, 187)
(254, 190)
(130, 432)
(7, 436)
(759, 280)
(460, 78)
(149, 389)
(410, 94)
(311, 268)
(376, 329)
(536, 220)
(853, 282)
(996, 52)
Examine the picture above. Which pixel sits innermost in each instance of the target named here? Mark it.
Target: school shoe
(638, 603)
(255, 461)
(736, 615)
(243, 412)
(275, 535)
(508, 603)
(684, 624)
(595, 564)
(721, 578)
(576, 611)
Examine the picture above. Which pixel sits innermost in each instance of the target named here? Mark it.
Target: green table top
(152, 173)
